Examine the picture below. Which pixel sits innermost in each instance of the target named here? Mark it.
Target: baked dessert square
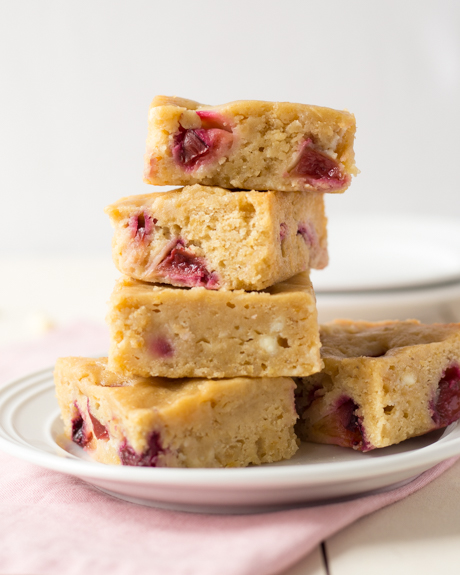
(175, 423)
(194, 332)
(218, 239)
(381, 384)
(251, 145)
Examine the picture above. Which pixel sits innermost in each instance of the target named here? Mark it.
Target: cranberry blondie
(251, 145)
(175, 423)
(382, 383)
(194, 332)
(216, 238)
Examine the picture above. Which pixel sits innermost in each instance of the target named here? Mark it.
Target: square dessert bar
(381, 383)
(216, 238)
(175, 423)
(251, 145)
(194, 332)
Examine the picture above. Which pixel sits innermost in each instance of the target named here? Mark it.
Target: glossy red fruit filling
(308, 232)
(185, 268)
(100, 431)
(319, 169)
(194, 145)
(283, 231)
(192, 148)
(446, 406)
(160, 347)
(80, 434)
(141, 226)
(148, 458)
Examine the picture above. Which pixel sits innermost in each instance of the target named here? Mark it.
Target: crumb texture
(175, 332)
(154, 422)
(382, 383)
(219, 239)
(250, 145)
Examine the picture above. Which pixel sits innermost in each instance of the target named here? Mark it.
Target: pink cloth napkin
(51, 523)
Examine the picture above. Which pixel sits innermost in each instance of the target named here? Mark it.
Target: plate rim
(288, 476)
(415, 222)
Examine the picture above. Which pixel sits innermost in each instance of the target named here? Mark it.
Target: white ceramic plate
(432, 304)
(390, 267)
(30, 428)
(383, 252)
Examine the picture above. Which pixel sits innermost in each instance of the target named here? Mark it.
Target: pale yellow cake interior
(271, 333)
(267, 138)
(199, 423)
(249, 239)
(391, 370)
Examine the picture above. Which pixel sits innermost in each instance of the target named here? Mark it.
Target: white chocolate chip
(277, 325)
(190, 120)
(409, 379)
(185, 335)
(294, 127)
(268, 343)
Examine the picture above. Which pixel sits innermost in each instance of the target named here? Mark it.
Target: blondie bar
(175, 423)
(251, 145)
(216, 238)
(194, 332)
(382, 383)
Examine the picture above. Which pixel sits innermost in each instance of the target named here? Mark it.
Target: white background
(76, 81)
(77, 78)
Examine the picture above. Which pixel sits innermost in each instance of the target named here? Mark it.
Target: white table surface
(419, 535)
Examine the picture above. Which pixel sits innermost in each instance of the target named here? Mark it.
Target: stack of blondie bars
(215, 313)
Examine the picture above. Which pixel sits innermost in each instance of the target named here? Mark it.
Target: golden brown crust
(347, 338)
(389, 373)
(195, 422)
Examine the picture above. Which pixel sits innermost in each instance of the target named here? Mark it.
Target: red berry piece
(148, 458)
(342, 426)
(308, 232)
(211, 119)
(160, 347)
(283, 231)
(100, 431)
(150, 168)
(319, 169)
(141, 226)
(80, 434)
(446, 405)
(184, 267)
(127, 454)
(193, 148)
